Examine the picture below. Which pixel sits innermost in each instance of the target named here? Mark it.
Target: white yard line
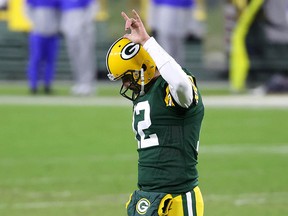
(7, 162)
(247, 149)
(250, 198)
(249, 101)
(118, 199)
(62, 100)
(229, 149)
(101, 200)
(10, 163)
(236, 101)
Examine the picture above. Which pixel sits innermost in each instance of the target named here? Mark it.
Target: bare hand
(138, 33)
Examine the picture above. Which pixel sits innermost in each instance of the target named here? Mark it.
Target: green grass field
(82, 160)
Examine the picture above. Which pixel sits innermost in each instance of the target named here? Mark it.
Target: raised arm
(179, 83)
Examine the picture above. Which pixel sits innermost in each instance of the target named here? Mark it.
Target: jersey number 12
(146, 140)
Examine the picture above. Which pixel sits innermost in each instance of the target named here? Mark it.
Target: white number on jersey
(149, 139)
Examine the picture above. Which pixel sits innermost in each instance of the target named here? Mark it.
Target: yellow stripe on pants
(199, 202)
(177, 204)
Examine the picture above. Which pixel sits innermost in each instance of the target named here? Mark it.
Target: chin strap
(142, 92)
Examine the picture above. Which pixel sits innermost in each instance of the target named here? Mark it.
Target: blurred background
(66, 143)
(239, 42)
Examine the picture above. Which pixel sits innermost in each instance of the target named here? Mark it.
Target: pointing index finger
(127, 19)
(124, 16)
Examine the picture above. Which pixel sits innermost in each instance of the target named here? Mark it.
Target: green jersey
(168, 139)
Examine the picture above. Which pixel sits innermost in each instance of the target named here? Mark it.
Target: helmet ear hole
(144, 67)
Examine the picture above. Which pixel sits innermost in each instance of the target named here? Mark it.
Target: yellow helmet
(127, 58)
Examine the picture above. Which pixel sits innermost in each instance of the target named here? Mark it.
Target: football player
(78, 28)
(167, 117)
(166, 13)
(43, 43)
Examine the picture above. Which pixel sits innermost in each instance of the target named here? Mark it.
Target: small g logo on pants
(142, 206)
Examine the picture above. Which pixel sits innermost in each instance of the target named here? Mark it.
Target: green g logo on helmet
(130, 50)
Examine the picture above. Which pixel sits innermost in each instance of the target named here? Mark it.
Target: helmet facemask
(133, 90)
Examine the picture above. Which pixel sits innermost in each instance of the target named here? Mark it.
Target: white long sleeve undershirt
(179, 84)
